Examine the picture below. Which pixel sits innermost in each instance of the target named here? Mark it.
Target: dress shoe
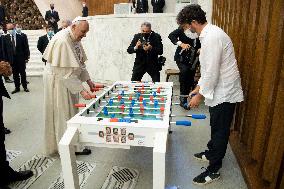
(14, 176)
(7, 131)
(26, 90)
(15, 91)
(84, 152)
(20, 176)
(8, 81)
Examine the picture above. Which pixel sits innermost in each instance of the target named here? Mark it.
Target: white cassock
(63, 76)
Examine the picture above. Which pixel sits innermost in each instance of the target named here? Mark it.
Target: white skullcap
(80, 18)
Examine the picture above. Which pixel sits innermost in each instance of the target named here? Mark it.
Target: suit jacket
(7, 53)
(179, 35)
(2, 14)
(147, 60)
(42, 43)
(142, 7)
(21, 53)
(85, 11)
(49, 15)
(3, 91)
(158, 6)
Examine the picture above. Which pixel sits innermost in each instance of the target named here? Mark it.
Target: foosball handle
(183, 123)
(198, 116)
(95, 89)
(80, 105)
(99, 85)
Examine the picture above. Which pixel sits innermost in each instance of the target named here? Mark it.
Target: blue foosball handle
(183, 123)
(198, 116)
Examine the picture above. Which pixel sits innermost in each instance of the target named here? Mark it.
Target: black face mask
(146, 35)
(52, 8)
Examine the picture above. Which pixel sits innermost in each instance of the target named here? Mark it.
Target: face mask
(190, 34)
(50, 33)
(19, 30)
(1, 32)
(84, 5)
(52, 8)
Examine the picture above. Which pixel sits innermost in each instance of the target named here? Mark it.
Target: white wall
(67, 9)
(109, 37)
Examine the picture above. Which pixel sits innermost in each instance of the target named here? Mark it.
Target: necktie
(13, 43)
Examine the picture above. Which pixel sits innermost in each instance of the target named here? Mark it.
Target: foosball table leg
(68, 158)
(159, 160)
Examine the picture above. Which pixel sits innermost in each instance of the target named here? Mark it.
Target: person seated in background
(7, 174)
(141, 6)
(147, 45)
(65, 24)
(158, 5)
(44, 40)
(186, 54)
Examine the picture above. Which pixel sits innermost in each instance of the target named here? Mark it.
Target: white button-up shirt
(220, 79)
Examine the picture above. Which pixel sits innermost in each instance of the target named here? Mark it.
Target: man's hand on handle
(194, 98)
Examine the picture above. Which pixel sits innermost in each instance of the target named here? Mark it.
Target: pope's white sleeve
(72, 81)
(84, 76)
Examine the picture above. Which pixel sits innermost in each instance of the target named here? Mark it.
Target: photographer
(147, 45)
(186, 59)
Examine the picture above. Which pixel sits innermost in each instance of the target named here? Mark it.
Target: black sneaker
(206, 177)
(201, 157)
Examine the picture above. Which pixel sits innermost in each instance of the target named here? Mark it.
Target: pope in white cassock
(63, 77)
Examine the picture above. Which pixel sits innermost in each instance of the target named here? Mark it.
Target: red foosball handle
(99, 85)
(80, 105)
(95, 89)
(93, 96)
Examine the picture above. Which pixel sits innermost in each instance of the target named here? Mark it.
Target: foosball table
(125, 114)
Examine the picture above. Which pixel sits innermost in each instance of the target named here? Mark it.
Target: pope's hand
(91, 85)
(86, 95)
(5, 69)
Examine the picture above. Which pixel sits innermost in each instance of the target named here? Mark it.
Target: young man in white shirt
(219, 86)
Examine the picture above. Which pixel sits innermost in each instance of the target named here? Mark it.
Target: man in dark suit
(158, 5)
(18, 45)
(2, 14)
(44, 40)
(142, 6)
(7, 174)
(147, 45)
(186, 59)
(85, 11)
(52, 17)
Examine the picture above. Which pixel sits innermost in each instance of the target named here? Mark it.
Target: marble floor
(23, 114)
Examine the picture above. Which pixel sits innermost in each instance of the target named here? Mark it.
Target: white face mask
(1, 32)
(190, 35)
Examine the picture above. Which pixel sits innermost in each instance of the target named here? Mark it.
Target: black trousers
(4, 165)
(17, 72)
(220, 121)
(186, 78)
(138, 74)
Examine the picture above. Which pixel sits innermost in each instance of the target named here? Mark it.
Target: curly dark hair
(190, 13)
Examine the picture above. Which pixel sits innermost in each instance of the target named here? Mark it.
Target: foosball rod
(193, 116)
